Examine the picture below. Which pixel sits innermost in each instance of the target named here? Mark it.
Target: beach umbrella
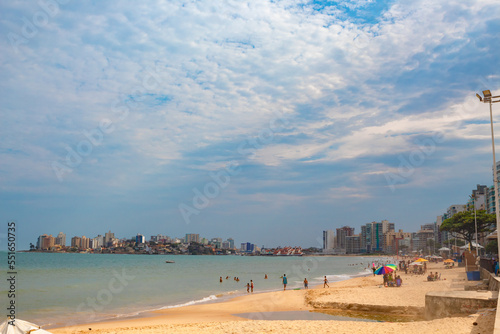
(421, 260)
(474, 245)
(448, 261)
(18, 326)
(393, 266)
(382, 270)
(444, 249)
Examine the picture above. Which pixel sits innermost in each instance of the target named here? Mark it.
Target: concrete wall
(441, 304)
(493, 281)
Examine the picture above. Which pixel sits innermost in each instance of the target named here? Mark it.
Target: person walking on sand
(306, 283)
(325, 284)
(285, 282)
(251, 285)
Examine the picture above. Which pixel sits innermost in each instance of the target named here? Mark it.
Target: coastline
(219, 317)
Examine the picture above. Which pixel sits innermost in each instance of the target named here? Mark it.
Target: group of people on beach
(284, 279)
(392, 281)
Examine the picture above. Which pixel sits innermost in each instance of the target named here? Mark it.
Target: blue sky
(265, 121)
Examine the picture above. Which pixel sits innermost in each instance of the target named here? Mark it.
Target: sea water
(61, 289)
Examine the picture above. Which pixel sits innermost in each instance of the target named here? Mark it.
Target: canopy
(493, 235)
(416, 264)
(474, 245)
(20, 327)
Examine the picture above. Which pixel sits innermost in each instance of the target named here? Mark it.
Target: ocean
(61, 289)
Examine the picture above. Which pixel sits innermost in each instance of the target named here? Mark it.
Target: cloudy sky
(265, 121)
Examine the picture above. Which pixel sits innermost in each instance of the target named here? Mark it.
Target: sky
(265, 121)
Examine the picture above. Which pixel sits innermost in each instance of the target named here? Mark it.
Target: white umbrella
(444, 249)
(474, 245)
(18, 326)
(416, 264)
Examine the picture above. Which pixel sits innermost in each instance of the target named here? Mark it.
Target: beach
(221, 317)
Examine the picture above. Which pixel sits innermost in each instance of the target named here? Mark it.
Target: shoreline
(219, 317)
(207, 300)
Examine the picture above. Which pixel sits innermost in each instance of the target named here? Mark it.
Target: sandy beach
(368, 291)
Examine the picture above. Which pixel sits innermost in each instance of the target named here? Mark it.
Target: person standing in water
(285, 282)
(251, 285)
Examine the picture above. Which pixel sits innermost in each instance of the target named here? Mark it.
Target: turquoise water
(64, 289)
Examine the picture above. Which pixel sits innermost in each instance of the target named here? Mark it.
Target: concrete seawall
(441, 304)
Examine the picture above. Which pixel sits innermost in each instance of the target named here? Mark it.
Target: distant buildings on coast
(158, 244)
(382, 237)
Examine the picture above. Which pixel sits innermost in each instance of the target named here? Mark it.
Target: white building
(328, 241)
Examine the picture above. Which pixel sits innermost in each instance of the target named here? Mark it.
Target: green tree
(492, 247)
(462, 224)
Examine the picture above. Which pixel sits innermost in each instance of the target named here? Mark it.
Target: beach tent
(20, 327)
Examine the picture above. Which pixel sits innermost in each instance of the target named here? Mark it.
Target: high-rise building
(366, 238)
(372, 236)
(231, 243)
(85, 243)
(190, 237)
(76, 242)
(353, 244)
(98, 242)
(378, 231)
(453, 209)
(392, 238)
(39, 242)
(216, 242)
(328, 241)
(490, 200)
(48, 242)
(140, 239)
(426, 233)
(342, 233)
(61, 239)
(108, 239)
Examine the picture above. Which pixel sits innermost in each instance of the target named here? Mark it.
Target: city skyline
(267, 121)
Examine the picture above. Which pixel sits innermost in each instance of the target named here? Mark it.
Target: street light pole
(473, 198)
(488, 98)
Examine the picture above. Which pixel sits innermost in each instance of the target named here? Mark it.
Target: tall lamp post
(488, 98)
(473, 198)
